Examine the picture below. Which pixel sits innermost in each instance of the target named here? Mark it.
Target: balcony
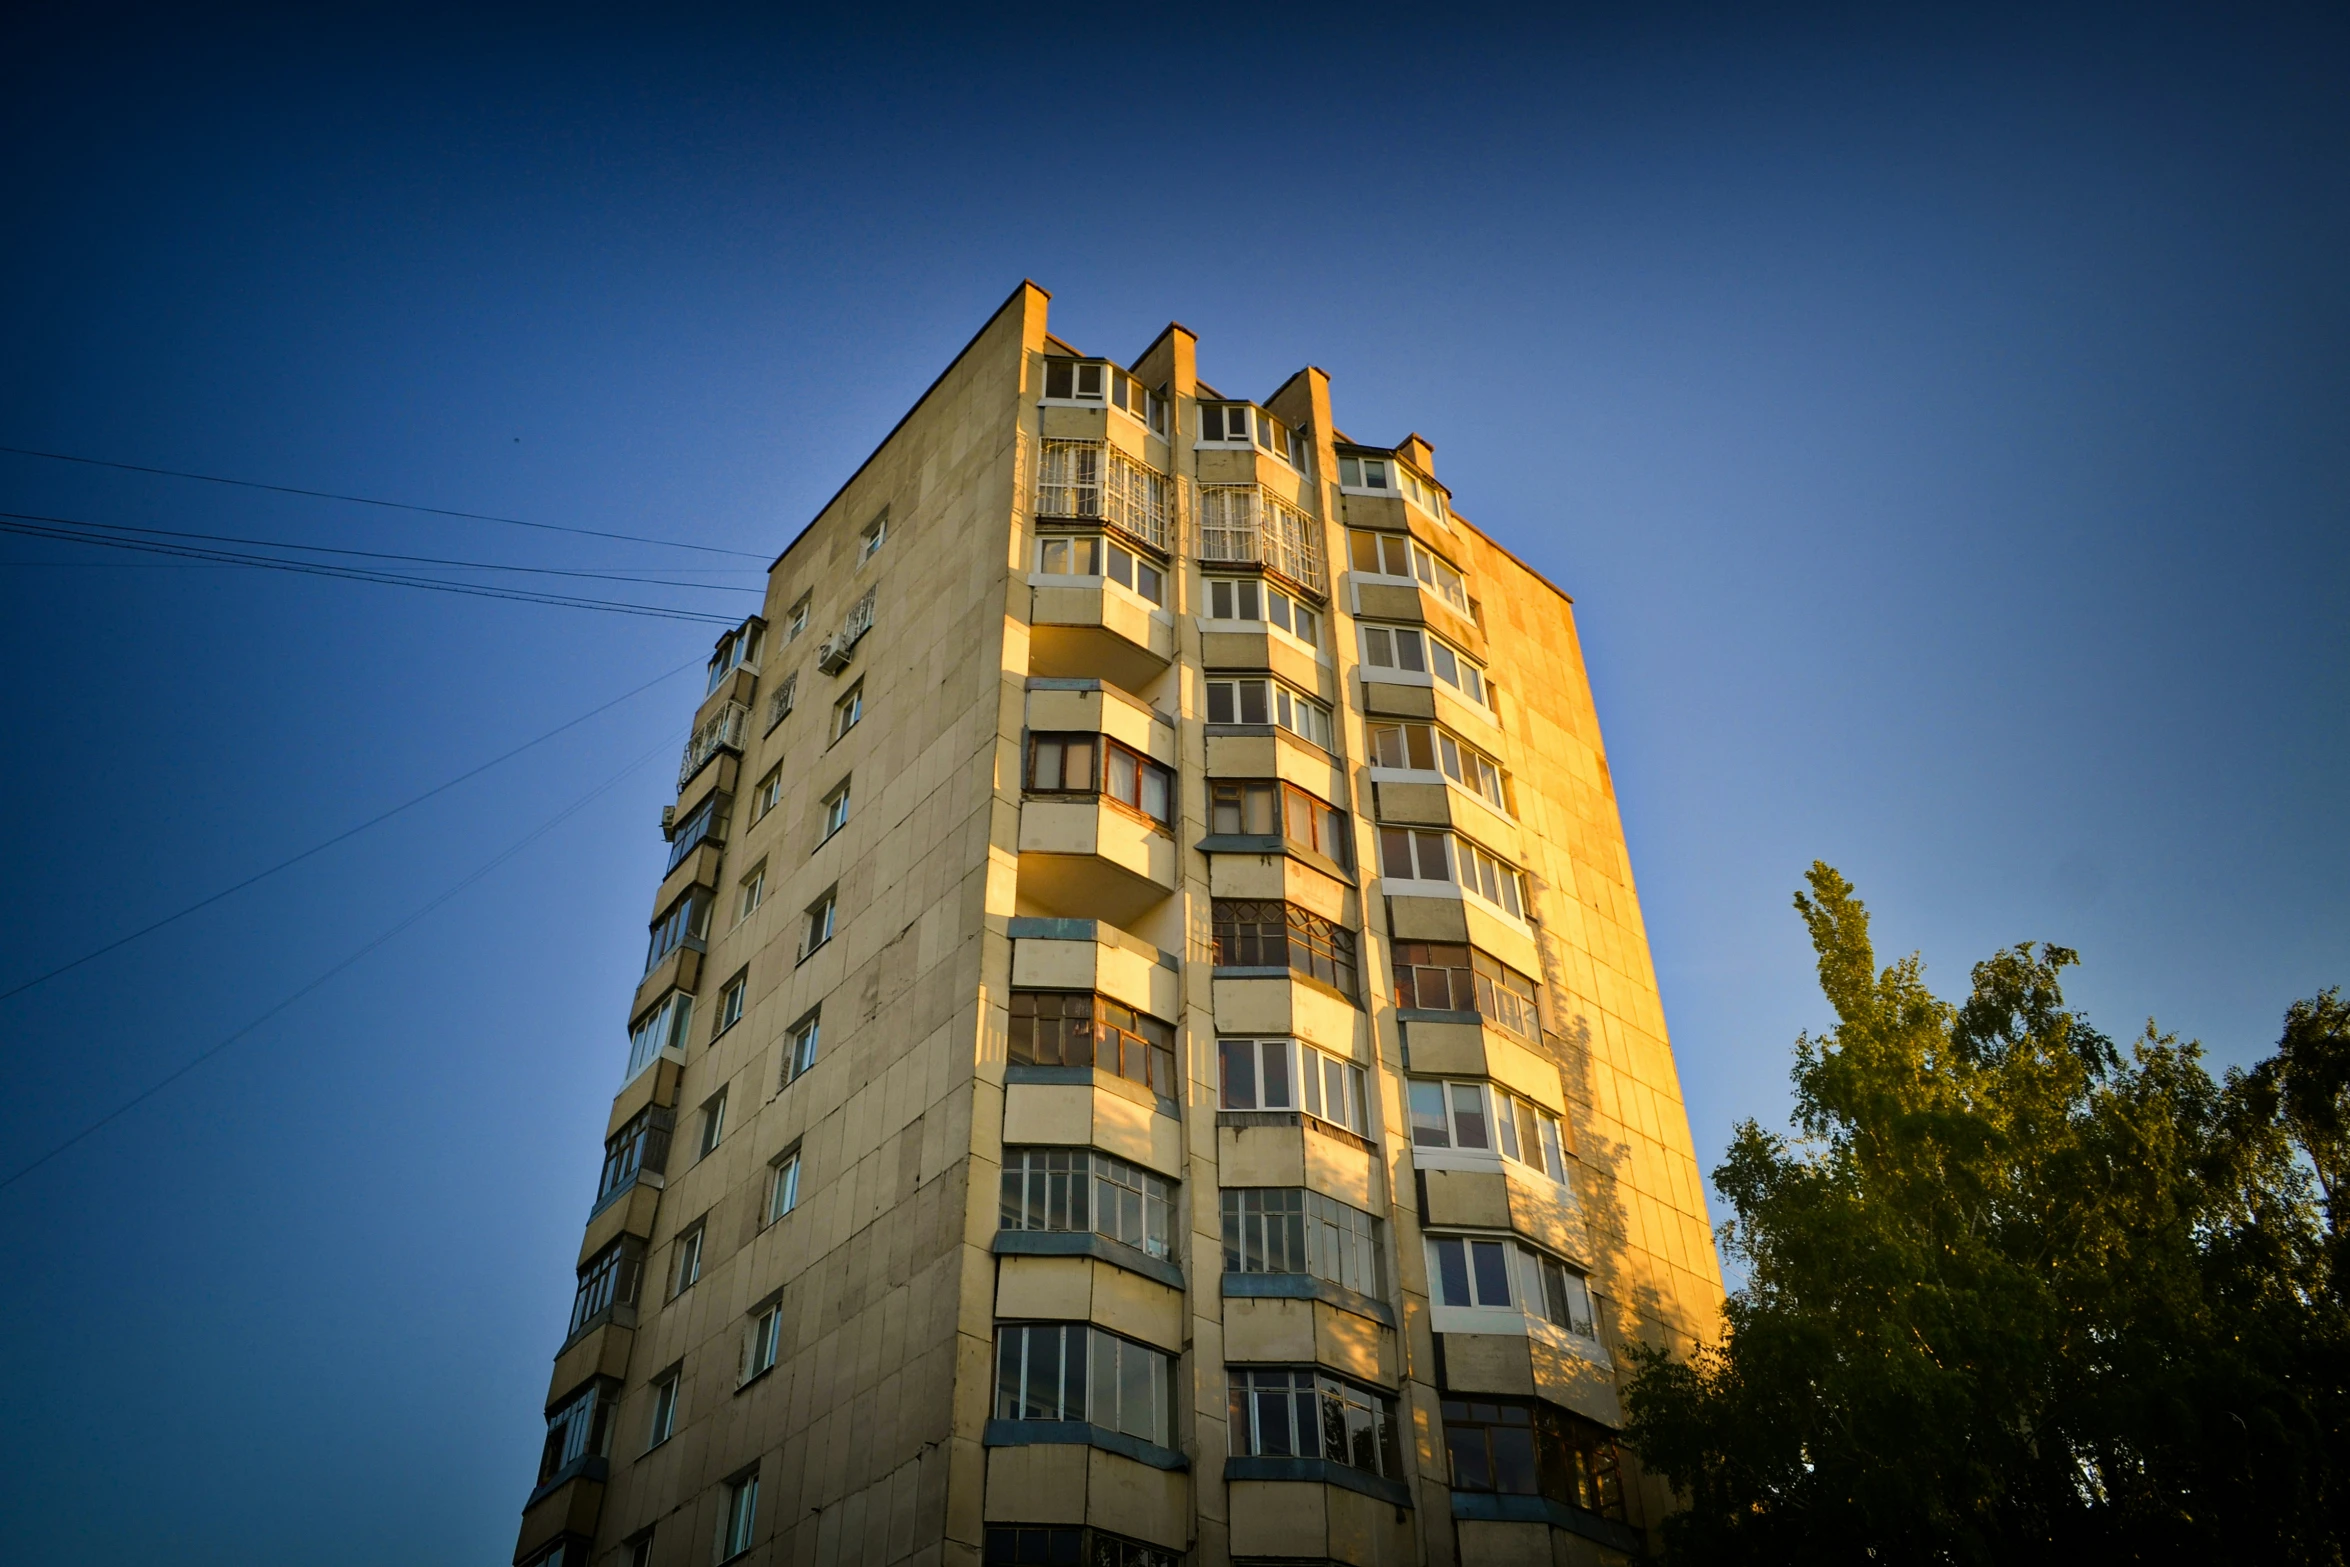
(1246, 524)
(1093, 481)
(724, 731)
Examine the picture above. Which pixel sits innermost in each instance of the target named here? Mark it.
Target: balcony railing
(1242, 522)
(724, 732)
(1095, 481)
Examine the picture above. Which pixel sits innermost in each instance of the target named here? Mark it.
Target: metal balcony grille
(1097, 482)
(1243, 522)
(724, 732)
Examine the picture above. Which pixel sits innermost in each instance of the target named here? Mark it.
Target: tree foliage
(2014, 1294)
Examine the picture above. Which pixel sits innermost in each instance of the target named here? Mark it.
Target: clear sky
(1942, 425)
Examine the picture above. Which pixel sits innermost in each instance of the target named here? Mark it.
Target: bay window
(1312, 1414)
(642, 1144)
(1478, 1117)
(1261, 701)
(1490, 1273)
(662, 1029)
(1292, 1230)
(1283, 1074)
(705, 824)
(1412, 650)
(1263, 808)
(578, 1429)
(1452, 977)
(1424, 854)
(1085, 762)
(1257, 602)
(1077, 1191)
(1079, 1028)
(608, 1279)
(685, 924)
(1401, 558)
(1094, 481)
(1077, 1372)
(1258, 933)
(1427, 748)
(1524, 1447)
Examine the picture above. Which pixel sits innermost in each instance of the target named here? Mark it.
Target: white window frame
(750, 892)
(730, 1003)
(1130, 570)
(713, 1126)
(818, 924)
(797, 620)
(1468, 866)
(836, 812)
(1286, 707)
(660, 1032)
(768, 795)
(739, 1523)
(872, 536)
(1278, 609)
(848, 712)
(1505, 1116)
(1456, 762)
(665, 1395)
(738, 649)
(762, 1342)
(800, 1047)
(783, 1185)
(1080, 370)
(685, 1268)
(1527, 1310)
(1435, 654)
(1307, 1075)
(1360, 466)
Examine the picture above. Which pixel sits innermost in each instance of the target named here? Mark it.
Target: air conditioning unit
(668, 820)
(832, 654)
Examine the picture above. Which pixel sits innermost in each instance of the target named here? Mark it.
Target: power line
(331, 549)
(368, 500)
(170, 1078)
(74, 534)
(352, 832)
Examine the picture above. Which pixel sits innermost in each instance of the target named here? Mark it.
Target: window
(1418, 854)
(706, 824)
(817, 929)
(1063, 1545)
(1248, 599)
(1224, 422)
(1478, 1273)
(799, 1051)
(1403, 558)
(685, 924)
(1424, 748)
(1077, 1191)
(1524, 1447)
(730, 1003)
(870, 540)
(608, 1279)
(1248, 523)
(1449, 977)
(1481, 1118)
(1071, 1371)
(763, 1341)
(786, 697)
(735, 649)
(797, 621)
(1258, 1075)
(581, 1428)
(1311, 1414)
(1426, 494)
(1255, 934)
(1081, 555)
(848, 710)
(1417, 652)
(1087, 763)
(1075, 380)
(640, 1550)
(1288, 1229)
(688, 1266)
(1091, 481)
(1265, 807)
(783, 1185)
(641, 1144)
(1269, 702)
(664, 1425)
(1078, 1028)
(1366, 473)
(770, 794)
(713, 1124)
(661, 1030)
(742, 1512)
(836, 811)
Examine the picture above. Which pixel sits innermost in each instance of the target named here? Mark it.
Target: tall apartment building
(1148, 1052)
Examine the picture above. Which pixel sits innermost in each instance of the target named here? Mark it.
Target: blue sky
(1939, 422)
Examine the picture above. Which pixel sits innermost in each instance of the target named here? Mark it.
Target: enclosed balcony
(1247, 524)
(1098, 800)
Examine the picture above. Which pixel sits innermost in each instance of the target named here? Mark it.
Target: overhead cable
(368, 500)
(100, 1123)
(347, 833)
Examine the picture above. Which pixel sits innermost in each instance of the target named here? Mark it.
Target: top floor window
(736, 649)
(875, 534)
(1366, 473)
(1245, 424)
(1401, 558)
(1098, 383)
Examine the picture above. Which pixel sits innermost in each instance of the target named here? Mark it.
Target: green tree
(2014, 1294)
